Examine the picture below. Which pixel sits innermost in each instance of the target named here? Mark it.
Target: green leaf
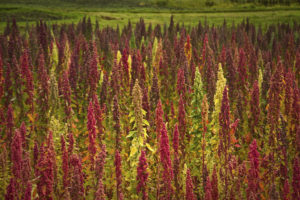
(146, 122)
(185, 169)
(131, 133)
(149, 147)
(141, 141)
(133, 151)
(132, 119)
(134, 125)
(130, 113)
(145, 132)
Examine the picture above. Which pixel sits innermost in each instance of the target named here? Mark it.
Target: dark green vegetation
(119, 12)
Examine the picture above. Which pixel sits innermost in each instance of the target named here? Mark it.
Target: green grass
(31, 14)
(113, 16)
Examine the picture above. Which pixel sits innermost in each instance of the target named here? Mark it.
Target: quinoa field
(147, 111)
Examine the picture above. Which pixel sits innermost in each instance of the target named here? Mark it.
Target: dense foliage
(143, 112)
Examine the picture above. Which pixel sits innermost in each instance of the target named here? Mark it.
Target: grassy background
(118, 14)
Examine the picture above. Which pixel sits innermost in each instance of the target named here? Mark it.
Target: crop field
(104, 104)
(119, 16)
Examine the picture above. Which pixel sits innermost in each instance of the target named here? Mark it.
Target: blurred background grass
(118, 12)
